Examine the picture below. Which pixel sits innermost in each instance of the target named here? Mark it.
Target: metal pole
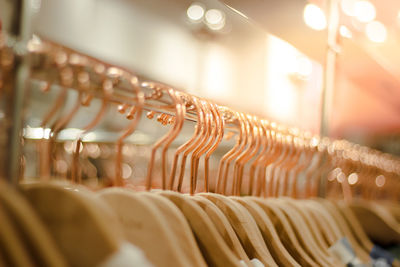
(330, 67)
(13, 90)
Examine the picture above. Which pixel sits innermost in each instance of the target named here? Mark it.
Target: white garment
(127, 256)
(254, 263)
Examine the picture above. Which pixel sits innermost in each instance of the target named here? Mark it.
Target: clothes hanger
(277, 166)
(296, 176)
(246, 144)
(36, 238)
(76, 175)
(214, 249)
(288, 166)
(167, 139)
(193, 145)
(354, 224)
(313, 226)
(273, 151)
(84, 220)
(174, 218)
(223, 226)
(243, 223)
(326, 220)
(11, 245)
(59, 124)
(217, 132)
(257, 161)
(279, 150)
(248, 154)
(43, 145)
(220, 134)
(303, 234)
(144, 226)
(223, 166)
(244, 226)
(210, 137)
(271, 237)
(379, 225)
(200, 122)
(3, 260)
(287, 235)
(136, 113)
(178, 225)
(346, 231)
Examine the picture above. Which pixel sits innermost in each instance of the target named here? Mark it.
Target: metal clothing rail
(53, 64)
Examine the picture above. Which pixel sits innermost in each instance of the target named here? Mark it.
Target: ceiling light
(364, 11)
(195, 12)
(376, 31)
(215, 19)
(214, 16)
(345, 32)
(314, 17)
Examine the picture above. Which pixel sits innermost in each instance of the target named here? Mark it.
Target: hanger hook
(138, 109)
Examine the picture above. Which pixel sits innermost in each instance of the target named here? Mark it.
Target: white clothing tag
(242, 263)
(256, 263)
(341, 250)
(128, 255)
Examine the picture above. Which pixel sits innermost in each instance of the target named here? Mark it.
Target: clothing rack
(230, 225)
(53, 64)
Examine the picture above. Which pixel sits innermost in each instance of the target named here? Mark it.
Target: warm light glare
(195, 12)
(398, 18)
(364, 11)
(380, 180)
(215, 19)
(217, 72)
(341, 177)
(348, 7)
(304, 67)
(214, 16)
(376, 32)
(314, 17)
(353, 178)
(345, 32)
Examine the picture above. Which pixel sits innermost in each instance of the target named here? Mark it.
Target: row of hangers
(288, 155)
(200, 229)
(207, 229)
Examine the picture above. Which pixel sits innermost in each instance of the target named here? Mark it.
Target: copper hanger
(203, 147)
(268, 167)
(264, 148)
(44, 160)
(59, 125)
(167, 139)
(75, 168)
(279, 166)
(259, 173)
(246, 155)
(193, 100)
(216, 137)
(137, 113)
(264, 183)
(221, 182)
(244, 129)
(220, 133)
(193, 145)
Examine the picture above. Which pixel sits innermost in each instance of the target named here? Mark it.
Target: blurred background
(263, 57)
